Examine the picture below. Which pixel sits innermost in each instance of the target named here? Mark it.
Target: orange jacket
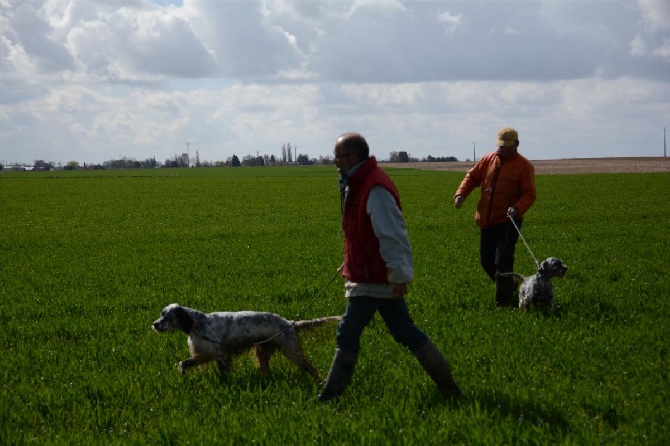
(504, 183)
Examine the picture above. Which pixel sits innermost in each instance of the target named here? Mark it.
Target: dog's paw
(182, 367)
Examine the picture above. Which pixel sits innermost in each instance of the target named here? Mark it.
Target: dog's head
(552, 267)
(174, 317)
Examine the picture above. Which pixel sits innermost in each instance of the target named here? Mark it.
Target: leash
(299, 316)
(524, 240)
(323, 290)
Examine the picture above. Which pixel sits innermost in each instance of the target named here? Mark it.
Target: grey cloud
(15, 91)
(133, 45)
(244, 44)
(490, 41)
(656, 13)
(136, 41)
(35, 35)
(175, 51)
(414, 42)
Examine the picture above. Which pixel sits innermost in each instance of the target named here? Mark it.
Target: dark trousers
(359, 313)
(496, 248)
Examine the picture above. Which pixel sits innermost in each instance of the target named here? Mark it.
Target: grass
(88, 259)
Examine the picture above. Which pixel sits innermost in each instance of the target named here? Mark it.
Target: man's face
(343, 159)
(505, 151)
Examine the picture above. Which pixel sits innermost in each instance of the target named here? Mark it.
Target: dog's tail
(516, 276)
(312, 323)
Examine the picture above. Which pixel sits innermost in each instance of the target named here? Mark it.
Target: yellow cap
(507, 137)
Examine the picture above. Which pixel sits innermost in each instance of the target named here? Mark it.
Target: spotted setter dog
(223, 335)
(537, 290)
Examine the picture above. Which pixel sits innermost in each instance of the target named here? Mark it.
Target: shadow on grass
(521, 411)
(490, 402)
(277, 380)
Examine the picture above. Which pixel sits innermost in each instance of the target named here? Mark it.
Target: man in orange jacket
(507, 182)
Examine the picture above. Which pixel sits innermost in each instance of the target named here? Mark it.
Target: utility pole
(188, 155)
(474, 152)
(664, 146)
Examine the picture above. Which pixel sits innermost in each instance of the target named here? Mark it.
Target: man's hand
(399, 290)
(458, 201)
(511, 212)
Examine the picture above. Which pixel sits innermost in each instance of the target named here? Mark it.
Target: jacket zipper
(493, 190)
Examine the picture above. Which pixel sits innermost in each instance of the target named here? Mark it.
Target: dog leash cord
(524, 240)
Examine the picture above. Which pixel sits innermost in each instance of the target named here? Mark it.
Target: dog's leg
(524, 297)
(187, 364)
(263, 353)
(309, 368)
(224, 363)
(294, 353)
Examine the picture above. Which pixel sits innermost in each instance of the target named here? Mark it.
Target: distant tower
(664, 153)
(474, 152)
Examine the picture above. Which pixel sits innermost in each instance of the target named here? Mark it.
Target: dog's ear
(544, 267)
(184, 318)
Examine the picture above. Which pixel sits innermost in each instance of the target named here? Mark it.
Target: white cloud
(384, 7)
(663, 51)
(656, 16)
(656, 13)
(638, 47)
(451, 21)
(509, 30)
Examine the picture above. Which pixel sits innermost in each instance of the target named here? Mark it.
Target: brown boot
(438, 369)
(339, 375)
(504, 291)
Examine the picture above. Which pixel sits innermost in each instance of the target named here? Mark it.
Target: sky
(97, 80)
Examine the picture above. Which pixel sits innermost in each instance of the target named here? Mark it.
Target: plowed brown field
(563, 166)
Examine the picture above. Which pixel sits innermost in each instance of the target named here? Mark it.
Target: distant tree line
(404, 157)
(440, 159)
(289, 156)
(399, 157)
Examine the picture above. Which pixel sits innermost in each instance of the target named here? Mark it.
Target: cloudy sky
(94, 80)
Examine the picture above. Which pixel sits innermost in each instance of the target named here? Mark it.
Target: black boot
(504, 291)
(339, 375)
(438, 369)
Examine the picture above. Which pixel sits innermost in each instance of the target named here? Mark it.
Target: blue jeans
(394, 312)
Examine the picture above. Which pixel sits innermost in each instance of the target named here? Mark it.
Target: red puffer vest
(362, 261)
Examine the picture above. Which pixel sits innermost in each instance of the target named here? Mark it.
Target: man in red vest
(507, 182)
(377, 268)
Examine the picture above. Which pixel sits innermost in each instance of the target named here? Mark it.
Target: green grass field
(89, 259)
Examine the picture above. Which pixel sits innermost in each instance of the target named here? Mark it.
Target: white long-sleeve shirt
(388, 225)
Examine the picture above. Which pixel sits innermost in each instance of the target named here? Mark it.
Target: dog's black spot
(185, 319)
